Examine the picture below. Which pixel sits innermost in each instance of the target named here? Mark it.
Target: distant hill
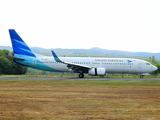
(93, 50)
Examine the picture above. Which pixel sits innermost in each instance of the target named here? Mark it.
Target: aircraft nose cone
(154, 68)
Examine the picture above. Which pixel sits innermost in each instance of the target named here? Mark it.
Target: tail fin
(19, 46)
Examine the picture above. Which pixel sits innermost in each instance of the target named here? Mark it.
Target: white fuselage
(111, 65)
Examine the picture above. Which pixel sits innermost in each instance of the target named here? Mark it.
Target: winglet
(56, 57)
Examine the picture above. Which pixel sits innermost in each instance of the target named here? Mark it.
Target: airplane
(92, 66)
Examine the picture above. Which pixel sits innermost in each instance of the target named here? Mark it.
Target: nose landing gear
(141, 76)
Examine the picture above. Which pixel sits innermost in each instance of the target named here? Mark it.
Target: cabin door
(139, 65)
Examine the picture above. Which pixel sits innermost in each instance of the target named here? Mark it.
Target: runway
(76, 78)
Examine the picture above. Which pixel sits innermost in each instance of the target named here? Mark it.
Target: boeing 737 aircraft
(92, 66)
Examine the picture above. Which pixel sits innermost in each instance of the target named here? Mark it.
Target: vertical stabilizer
(19, 46)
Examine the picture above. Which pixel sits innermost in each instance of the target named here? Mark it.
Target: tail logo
(19, 46)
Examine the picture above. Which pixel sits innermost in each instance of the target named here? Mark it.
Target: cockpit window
(147, 63)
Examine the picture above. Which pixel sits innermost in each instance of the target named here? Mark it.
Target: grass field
(79, 100)
(86, 76)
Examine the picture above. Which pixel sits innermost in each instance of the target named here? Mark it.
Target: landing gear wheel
(141, 76)
(81, 75)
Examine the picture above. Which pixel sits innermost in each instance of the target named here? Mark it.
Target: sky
(128, 25)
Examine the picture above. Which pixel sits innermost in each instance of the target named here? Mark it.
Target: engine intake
(97, 71)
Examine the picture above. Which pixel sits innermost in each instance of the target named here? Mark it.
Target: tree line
(7, 66)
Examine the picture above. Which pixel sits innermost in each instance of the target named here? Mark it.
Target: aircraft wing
(72, 66)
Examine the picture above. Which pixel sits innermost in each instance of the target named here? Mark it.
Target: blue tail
(19, 46)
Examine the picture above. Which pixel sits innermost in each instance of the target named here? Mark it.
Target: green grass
(92, 83)
(117, 83)
(87, 76)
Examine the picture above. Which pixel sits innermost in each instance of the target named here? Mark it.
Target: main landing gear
(81, 75)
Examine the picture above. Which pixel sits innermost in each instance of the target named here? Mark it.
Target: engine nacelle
(97, 71)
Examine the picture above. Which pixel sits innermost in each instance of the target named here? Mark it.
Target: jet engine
(97, 72)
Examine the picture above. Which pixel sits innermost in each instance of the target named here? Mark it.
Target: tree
(152, 59)
(7, 66)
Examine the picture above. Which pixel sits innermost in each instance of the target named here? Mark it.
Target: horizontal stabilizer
(15, 58)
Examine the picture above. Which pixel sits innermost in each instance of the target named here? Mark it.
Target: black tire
(141, 76)
(81, 75)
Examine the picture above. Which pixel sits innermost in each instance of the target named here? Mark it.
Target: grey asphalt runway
(76, 78)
